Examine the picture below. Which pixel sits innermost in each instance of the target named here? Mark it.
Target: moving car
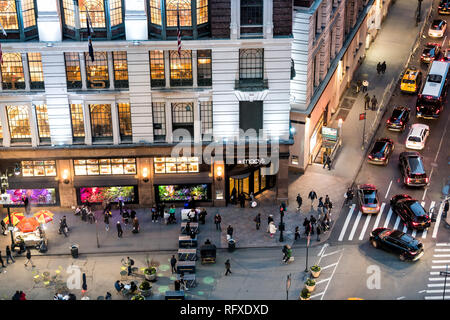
(398, 119)
(444, 7)
(410, 211)
(431, 52)
(381, 151)
(446, 55)
(417, 136)
(437, 28)
(406, 246)
(411, 80)
(412, 169)
(368, 198)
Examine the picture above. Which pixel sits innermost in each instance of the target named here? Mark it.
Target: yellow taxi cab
(411, 80)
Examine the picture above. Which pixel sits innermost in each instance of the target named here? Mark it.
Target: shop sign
(330, 134)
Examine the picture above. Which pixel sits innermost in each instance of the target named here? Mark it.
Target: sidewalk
(394, 46)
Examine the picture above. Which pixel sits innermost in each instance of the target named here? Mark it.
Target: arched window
(183, 8)
(106, 18)
(18, 18)
(181, 68)
(97, 70)
(12, 72)
(101, 121)
(42, 121)
(19, 123)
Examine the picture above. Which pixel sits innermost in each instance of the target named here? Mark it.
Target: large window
(181, 68)
(183, 117)
(120, 69)
(42, 121)
(155, 11)
(183, 7)
(252, 12)
(202, 11)
(176, 165)
(101, 121)
(115, 12)
(28, 13)
(20, 26)
(159, 121)
(12, 71)
(204, 73)
(1, 132)
(96, 10)
(39, 168)
(206, 117)
(76, 114)
(68, 9)
(36, 72)
(97, 70)
(251, 64)
(73, 72)
(19, 123)
(8, 14)
(95, 167)
(157, 68)
(124, 121)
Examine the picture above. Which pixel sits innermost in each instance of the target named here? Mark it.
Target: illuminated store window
(1, 132)
(12, 71)
(124, 121)
(176, 165)
(106, 18)
(181, 68)
(36, 72)
(202, 11)
(42, 121)
(155, 11)
(95, 167)
(40, 168)
(183, 118)
(97, 70)
(76, 113)
(157, 68)
(120, 69)
(206, 117)
(73, 72)
(204, 73)
(183, 7)
(19, 123)
(159, 121)
(18, 18)
(101, 121)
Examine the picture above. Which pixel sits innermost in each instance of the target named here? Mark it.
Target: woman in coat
(272, 229)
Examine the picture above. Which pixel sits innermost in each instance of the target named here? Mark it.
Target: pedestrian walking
(242, 200)
(106, 219)
(154, 214)
(358, 85)
(218, 221)
(349, 196)
(446, 207)
(299, 201)
(328, 163)
(233, 196)
(327, 199)
(228, 267)
(325, 159)
(306, 224)
(258, 221)
(312, 195)
(8, 255)
(62, 228)
(173, 263)
(366, 101)
(22, 296)
(130, 263)
(379, 68)
(272, 229)
(312, 221)
(3, 227)
(365, 85)
(1, 260)
(318, 229)
(320, 205)
(383, 67)
(135, 225)
(29, 258)
(297, 233)
(374, 103)
(26, 203)
(119, 229)
(16, 296)
(230, 231)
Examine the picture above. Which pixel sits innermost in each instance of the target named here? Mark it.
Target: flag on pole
(3, 30)
(89, 32)
(1, 55)
(178, 32)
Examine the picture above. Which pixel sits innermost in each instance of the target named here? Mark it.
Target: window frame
(120, 72)
(17, 63)
(247, 6)
(204, 71)
(33, 62)
(31, 164)
(124, 116)
(104, 134)
(181, 114)
(100, 61)
(79, 122)
(181, 81)
(77, 163)
(206, 119)
(74, 84)
(43, 125)
(24, 29)
(253, 67)
(159, 113)
(23, 137)
(155, 68)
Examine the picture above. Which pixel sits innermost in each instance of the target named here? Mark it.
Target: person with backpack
(299, 201)
(258, 221)
(130, 264)
(217, 221)
(312, 196)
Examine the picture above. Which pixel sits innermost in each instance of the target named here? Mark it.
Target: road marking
(355, 225)
(436, 279)
(436, 298)
(349, 215)
(425, 231)
(435, 291)
(438, 267)
(323, 249)
(440, 261)
(366, 224)
(442, 250)
(426, 189)
(441, 244)
(317, 294)
(389, 188)
(400, 298)
(434, 273)
(320, 281)
(334, 252)
(388, 218)
(438, 221)
(397, 222)
(331, 277)
(329, 266)
(441, 255)
(377, 221)
(435, 285)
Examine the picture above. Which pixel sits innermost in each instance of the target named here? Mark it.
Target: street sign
(10, 228)
(362, 116)
(330, 134)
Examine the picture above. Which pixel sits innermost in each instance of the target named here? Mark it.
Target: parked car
(368, 198)
(398, 119)
(412, 169)
(381, 151)
(410, 211)
(417, 136)
(406, 246)
(411, 80)
(437, 28)
(444, 7)
(431, 52)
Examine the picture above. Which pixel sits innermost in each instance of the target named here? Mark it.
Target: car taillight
(401, 122)
(413, 253)
(388, 122)
(418, 108)
(370, 156)
(383, 158)
(437, 111)
(415, 223)
(408, 180)
(426, 179)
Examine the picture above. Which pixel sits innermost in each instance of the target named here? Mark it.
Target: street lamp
(281, 226)
(419, 9)
(307, 247)
(4, 187)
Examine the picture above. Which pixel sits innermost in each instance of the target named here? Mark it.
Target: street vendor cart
(208, 253)
(29, 232)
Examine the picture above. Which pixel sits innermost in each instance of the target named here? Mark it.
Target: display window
(39, 168)
(111, 194)
(183, 192)
(35, 196)
(93, 167)
(176, 165)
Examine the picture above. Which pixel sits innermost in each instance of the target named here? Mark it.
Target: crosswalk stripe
(366, 224)
(388, 218)
(441, 244)
(436, 297)
(438, 221)
(355, 225)
(442, 250)
(440, 261)
(347, 220)
(425, 231)
(405, 228)
(438, 267)
(435, 285)
(377, 221)
(436, 279)
(434, 273)
(397, 222)
(435, 291)
(441, 255)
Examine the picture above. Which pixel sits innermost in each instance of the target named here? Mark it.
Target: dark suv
(398, 119)
(381, 151)
(444, 7)
(407, 247)
(410, 211)
(431, 52)
(412, 169)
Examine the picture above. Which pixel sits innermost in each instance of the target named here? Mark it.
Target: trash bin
(231, 245)
(74, 251)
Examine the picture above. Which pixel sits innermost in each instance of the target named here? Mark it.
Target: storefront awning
(241, 171)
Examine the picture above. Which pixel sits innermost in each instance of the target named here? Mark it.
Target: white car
(437, 28)
(417, 136)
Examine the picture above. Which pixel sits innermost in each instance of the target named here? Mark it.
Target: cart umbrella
(15, 218)
(43, 216)
(28, 225)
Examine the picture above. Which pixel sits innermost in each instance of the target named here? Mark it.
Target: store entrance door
(240, 185)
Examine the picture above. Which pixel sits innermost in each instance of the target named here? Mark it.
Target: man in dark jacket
(312, 196)
(242, 200)
(230, 231)
(446, 207)
(29, 258)
(173, 263)
(307, 226)
(119, 229)
(8, 255)
(299, 201)
(258, 221)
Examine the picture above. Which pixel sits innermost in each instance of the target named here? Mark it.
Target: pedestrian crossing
(438, 287)
(357, 226)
